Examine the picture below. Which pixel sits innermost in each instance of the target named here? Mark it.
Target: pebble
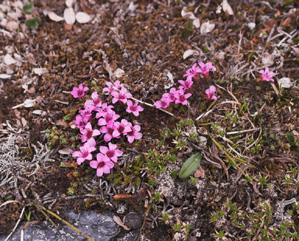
(133, 221)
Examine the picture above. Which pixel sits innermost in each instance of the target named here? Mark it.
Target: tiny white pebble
(251, 25)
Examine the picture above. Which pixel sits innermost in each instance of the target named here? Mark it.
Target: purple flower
(121, 128)
(134, 133)
(88, 132)
(85, 151)
(79, 92)
(181, 97)
(163, 103)
(186, 84)
(267, 75)
(81, 121)
(105, 108)
(112, 87)
(112, 153)
(109, 88)
(86, 112)
(121, 96)
(205, 68)
(108, 131)
(193, 72)
(133, 108)
(109, 117)
(93, 104)
(211, 93)
(170, 95)
(102, 164)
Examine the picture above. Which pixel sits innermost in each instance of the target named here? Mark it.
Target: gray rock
(98, 226)
(131, 236)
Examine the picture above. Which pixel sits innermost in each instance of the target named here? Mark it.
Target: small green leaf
(286, 2)
(28, 216)
(190, 166)
(189, 25)
(137, 168)
(27, 8)
(116, 181)
(32, 23)
(291, 138)
(137, 183)
(166, 133)
(8, 197)
(113, 176)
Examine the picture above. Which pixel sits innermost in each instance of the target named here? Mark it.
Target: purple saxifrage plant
(108, 127)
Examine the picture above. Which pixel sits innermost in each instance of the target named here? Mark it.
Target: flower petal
(99, 172)
(213, 88)
(80, 160)
(94, 164)
(107, 137)
(106, 169)
(110, 164)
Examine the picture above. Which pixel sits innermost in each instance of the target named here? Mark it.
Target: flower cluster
(178, 96)
(108, 126)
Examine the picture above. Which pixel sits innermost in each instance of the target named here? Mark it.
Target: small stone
(176, 201)
(133, 221)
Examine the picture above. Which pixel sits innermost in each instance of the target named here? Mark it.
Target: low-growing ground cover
(239, 125)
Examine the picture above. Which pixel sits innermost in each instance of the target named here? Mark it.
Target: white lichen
(13, 167)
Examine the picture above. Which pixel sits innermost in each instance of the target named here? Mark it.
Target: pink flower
(170, 95)
(181, 97)
(193, 72)
(79, 92)
(121, 128)
(81, 121)
(85, 151)
(186, 84)
(112, 153)
(133, 108)
(102, 164)
(93, 104)
(108, 131)
(134, 133)
(85, 113)
(88, 132)
(104, 110)
(112, 87)
(205, 68)
(109, 88)
(121, 96)
(109, 117)
(163, 103)
(211, 93)
(267, 75)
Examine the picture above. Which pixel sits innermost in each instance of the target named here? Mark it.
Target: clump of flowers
(266, 75)
(109, 127)
(179, 96)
